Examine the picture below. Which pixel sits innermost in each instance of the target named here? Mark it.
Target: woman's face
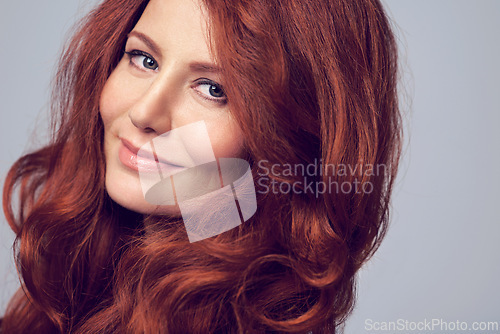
(167, 79)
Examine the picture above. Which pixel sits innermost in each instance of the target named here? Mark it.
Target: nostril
(140, 125)
(149, 121)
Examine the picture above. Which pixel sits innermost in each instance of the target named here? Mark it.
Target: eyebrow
(146, 40)
(204, 67)
(195, 67)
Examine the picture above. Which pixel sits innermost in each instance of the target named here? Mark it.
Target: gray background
(441, 256)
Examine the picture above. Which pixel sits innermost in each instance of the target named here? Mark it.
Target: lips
(146, 162)
(133, 149)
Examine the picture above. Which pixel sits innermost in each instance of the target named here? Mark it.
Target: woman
(304, 91)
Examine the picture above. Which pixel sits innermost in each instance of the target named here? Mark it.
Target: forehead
(178, 27)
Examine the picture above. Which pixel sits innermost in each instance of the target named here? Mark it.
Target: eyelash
(209, 82)
(135, 53)
(199, 82)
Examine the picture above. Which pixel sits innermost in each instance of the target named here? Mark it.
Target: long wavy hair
(306, 81)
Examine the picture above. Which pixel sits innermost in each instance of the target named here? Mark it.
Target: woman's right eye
(142, 60)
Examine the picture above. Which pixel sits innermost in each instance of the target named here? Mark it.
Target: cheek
(108, 102)
(227, 141)
(106, 108)
(114, 98)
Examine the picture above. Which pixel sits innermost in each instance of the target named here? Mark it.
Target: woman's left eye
(211, 90)
(142, 60)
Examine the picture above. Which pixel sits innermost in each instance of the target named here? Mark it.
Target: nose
(152, 111)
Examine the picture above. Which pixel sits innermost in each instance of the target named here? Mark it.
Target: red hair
(306, 81)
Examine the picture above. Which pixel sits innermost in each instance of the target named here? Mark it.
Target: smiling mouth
(143, 161)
